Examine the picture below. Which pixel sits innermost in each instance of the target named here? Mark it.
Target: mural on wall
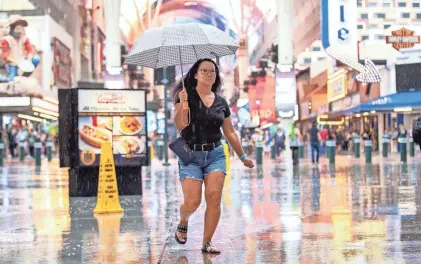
(19, 58)
(62, 64)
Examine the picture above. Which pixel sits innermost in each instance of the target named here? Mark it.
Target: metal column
(284, 12)
(165, 82)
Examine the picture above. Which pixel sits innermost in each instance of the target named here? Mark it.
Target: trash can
(301, 150)
(386, 144)
(22, 150)
(331, 151)
(160, 149)
(49, 149)
(357, 146)
(368, 151)
(259, 153)
(402, 143)
(37, 152)
(1, 153)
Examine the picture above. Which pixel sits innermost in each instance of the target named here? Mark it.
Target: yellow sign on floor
(227, 157)
(107, 199)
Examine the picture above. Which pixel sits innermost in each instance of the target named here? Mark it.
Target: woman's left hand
(248, 163)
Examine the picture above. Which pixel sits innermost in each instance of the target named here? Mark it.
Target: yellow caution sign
(107, 199)
(152, 153)
(227, 157)
(109, 231)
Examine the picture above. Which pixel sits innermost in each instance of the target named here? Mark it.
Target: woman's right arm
(182, 111)
(181, 117)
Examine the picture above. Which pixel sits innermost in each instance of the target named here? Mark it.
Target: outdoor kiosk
(89, 117)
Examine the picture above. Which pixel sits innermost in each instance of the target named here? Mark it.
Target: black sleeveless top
(205, 125)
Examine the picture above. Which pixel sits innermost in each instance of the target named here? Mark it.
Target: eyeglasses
(207, 72)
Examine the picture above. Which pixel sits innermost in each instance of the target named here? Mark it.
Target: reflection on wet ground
(276, 214)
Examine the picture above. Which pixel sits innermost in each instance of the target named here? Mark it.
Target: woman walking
(202, 132)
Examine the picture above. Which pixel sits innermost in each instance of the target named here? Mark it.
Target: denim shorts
(205, 163)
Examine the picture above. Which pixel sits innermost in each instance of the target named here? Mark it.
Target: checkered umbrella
(180, 44)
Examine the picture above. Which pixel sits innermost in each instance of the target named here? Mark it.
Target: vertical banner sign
(112, 46)
(285, 40)
(285, 95)
(339, 37)
(342, 20)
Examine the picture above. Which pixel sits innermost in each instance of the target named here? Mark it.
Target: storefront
(388, 112)
(27, 108)
(312, 96)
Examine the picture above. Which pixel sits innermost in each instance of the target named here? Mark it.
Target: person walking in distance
(280, 142)
(294, 140)
(202, 132)
(314, 135)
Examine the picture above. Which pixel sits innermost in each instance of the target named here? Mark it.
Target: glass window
(373, 26)
(379, 37)
(364, 16)
(359, 26)
(418, 16)
(307, 60)
(405, 15)
(359, 3)
(380, 15)
(387, 4)
(386, 26)
(365, 37)
(321, 58)
(415, 4)
(402, 4)
(316, 49)
(372, 4)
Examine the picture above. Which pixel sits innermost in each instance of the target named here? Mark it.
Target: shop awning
(387, 103)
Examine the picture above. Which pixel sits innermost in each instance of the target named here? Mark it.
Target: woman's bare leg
(192, 192)
(214, 183)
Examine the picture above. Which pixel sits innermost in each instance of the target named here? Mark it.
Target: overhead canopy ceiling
(138, 15)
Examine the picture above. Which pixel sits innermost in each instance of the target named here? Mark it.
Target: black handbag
(183, 151)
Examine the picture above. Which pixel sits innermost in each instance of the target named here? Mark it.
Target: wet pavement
(350, 213)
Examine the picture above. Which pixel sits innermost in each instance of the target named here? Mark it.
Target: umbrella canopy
(180, 44)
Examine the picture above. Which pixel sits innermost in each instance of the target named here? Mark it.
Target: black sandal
(208, 248)
(181, 229)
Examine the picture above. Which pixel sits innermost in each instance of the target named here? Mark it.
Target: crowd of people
(315, 138)
(15, 137)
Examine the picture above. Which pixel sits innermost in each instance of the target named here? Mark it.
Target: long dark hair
(190, 82)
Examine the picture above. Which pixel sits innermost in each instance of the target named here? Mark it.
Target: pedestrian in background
(323, 138)
(294, 141)
(279, 142)
(267, 143)
(314, 136)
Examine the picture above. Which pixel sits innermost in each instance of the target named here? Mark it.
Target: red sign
(111, 98)
(403, 38)
(262, 99)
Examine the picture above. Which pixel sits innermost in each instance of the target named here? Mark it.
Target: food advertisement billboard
(114, 116)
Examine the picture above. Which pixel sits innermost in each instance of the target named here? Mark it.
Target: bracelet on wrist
(243, 156)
